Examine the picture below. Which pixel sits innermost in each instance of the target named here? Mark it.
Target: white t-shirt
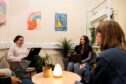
(16, 53)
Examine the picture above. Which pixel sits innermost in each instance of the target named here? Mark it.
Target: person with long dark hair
(85, 51)
(111, 64)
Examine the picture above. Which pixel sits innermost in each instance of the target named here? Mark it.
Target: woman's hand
(82, 66)
(15, 80)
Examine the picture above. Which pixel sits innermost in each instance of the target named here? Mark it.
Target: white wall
(18, 11)
(119, 6)
(92, 4)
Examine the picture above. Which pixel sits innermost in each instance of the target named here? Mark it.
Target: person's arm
(15, 80)
(5, 80)
(11, 56)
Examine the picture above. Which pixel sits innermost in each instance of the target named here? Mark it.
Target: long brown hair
(86, 43)
(112, 35)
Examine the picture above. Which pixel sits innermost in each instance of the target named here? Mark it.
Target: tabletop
(67, 78)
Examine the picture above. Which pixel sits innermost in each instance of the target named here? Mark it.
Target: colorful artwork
(60, 22)
(3, 10)
(34, 21)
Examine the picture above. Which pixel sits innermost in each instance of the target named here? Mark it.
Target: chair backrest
(13, 65)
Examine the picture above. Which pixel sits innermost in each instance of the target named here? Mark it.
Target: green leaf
(47, 59)
(65, 45)
(1, 59)
(92, 31)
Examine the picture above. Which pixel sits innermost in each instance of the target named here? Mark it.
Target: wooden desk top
(67, 78)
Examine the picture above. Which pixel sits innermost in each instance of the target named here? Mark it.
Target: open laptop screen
(22, 67)
(33, 52)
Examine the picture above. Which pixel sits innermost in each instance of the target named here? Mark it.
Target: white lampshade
(57, 71)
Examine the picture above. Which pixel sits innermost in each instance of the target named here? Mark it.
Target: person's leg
(77, 68)
(70, 66)
(26, 81)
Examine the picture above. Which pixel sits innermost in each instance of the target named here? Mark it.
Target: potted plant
(47, 68)
(65, 45)
(39, 63)
(92, 31)
(1, 59)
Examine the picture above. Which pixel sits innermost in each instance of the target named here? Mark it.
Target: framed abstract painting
(3, 11)
(60, 22)
(34, 21)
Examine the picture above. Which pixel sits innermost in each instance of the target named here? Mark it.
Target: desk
(67, 78)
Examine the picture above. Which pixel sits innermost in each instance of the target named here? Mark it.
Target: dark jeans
(25, 80)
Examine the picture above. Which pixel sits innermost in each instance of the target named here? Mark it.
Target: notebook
(75, 58)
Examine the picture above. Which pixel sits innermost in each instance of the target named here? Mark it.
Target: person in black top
(85, 51)
(111, 64)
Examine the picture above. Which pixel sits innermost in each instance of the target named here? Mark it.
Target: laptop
(33, 52)
(22, 67)
(75, 58)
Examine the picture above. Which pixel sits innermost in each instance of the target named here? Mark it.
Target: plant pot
(65, 61)
(47, 72)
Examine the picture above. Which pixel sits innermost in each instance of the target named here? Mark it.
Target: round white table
(67, 78)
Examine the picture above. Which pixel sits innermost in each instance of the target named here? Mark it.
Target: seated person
(17, 52)
(111, 64)
(85, 51)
